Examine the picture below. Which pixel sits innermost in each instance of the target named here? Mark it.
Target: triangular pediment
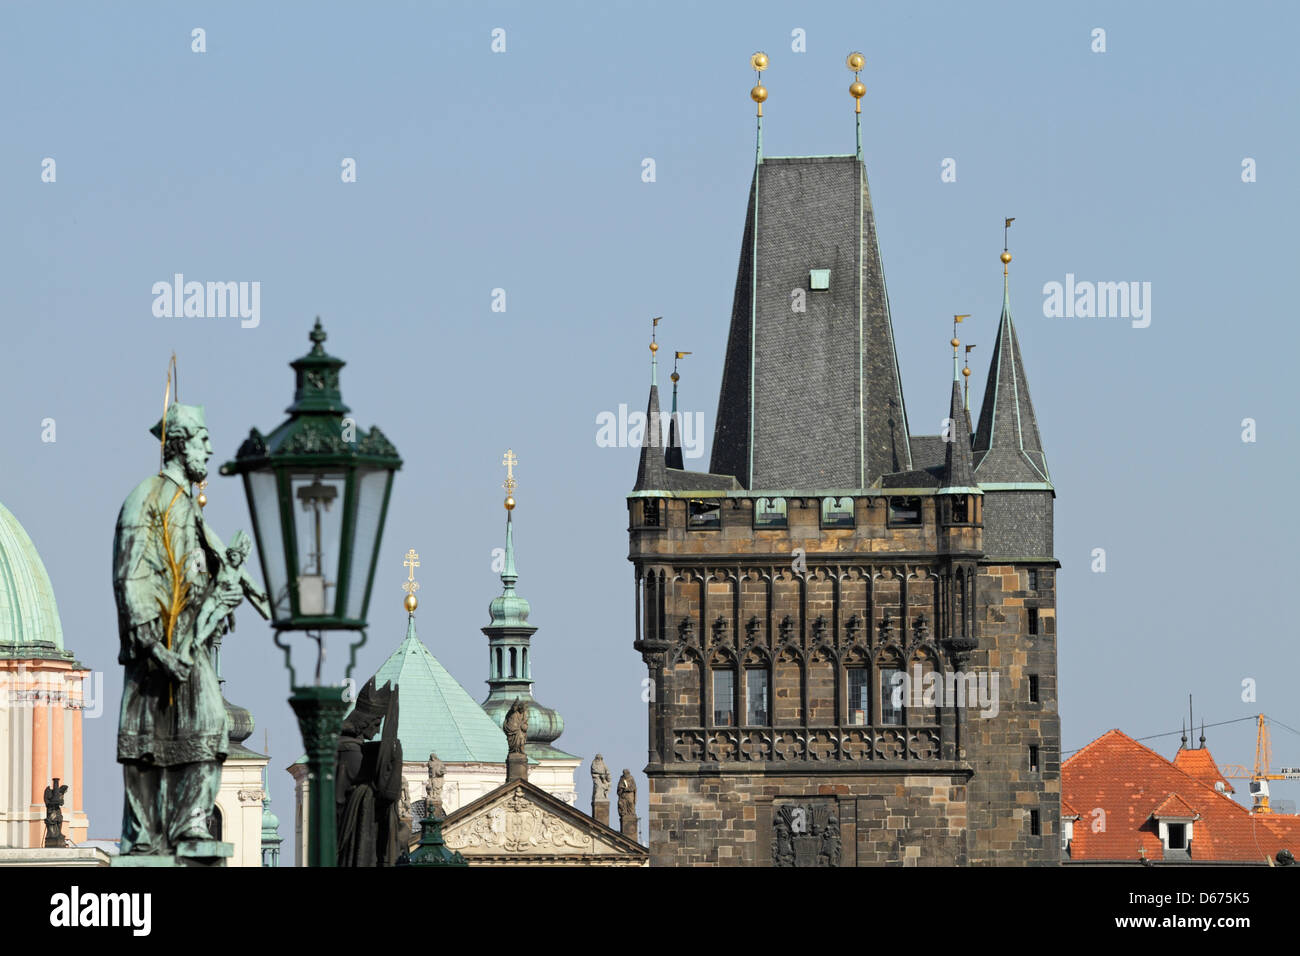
(521, 824)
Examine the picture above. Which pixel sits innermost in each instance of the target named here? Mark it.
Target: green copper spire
(509, 610)
(270, 826)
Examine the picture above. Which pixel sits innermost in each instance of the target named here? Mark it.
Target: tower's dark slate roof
(958, 471)
(651, 474)
(810, 399)
(673, 455)
(928, 452)
(1007, 446)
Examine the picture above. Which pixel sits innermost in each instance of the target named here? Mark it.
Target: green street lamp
(318, 489)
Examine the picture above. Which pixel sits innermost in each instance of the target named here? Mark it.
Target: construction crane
(1261, 775)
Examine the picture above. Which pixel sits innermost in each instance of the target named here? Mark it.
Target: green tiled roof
(436, 714)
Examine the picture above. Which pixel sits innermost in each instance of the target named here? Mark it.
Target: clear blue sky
(522, 171)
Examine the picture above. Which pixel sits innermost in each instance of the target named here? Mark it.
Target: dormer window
(1175, 820)
(960, 509)
(1176, 838)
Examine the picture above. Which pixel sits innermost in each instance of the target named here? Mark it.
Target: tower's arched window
(758, 712)
(500, 671)
(525, 653)
(514, 662)
(724, 694)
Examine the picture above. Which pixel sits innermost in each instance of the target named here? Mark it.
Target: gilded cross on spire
(509, 484)
(411, 585)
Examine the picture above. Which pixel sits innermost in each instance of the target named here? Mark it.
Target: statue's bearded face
(195, 455)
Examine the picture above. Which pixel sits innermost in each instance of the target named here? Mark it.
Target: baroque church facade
(849, 629)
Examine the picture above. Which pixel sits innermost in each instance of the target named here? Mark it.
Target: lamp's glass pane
(371, 485)
(318, 520)
(266, 513)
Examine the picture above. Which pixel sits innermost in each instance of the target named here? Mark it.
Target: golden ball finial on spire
(955, 342)
(855, 61)
(510, 461)
(1006, 258)
(966, 371)
(758, 94)
(411, 562)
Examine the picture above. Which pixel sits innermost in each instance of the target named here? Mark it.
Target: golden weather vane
(678, 356)
(410, 586)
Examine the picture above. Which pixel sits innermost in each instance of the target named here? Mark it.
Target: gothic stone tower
(829, 550)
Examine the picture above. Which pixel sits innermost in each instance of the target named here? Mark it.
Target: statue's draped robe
(368, 781)
(178, 727)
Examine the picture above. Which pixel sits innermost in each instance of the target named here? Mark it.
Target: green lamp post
(318, 489)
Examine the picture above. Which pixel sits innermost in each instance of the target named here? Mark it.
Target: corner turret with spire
(510, 673)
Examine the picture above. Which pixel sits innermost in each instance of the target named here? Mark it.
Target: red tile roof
(1128, 782)
(1175, 807)
(1199, 764)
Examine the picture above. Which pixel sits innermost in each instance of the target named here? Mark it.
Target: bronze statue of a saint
(54, 814)
(175, 591)
(368, 781)
(516, 726)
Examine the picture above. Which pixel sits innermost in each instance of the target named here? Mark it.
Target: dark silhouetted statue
(368, 781)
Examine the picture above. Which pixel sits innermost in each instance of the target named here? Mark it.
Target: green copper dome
(436, 714)
(29, 617)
